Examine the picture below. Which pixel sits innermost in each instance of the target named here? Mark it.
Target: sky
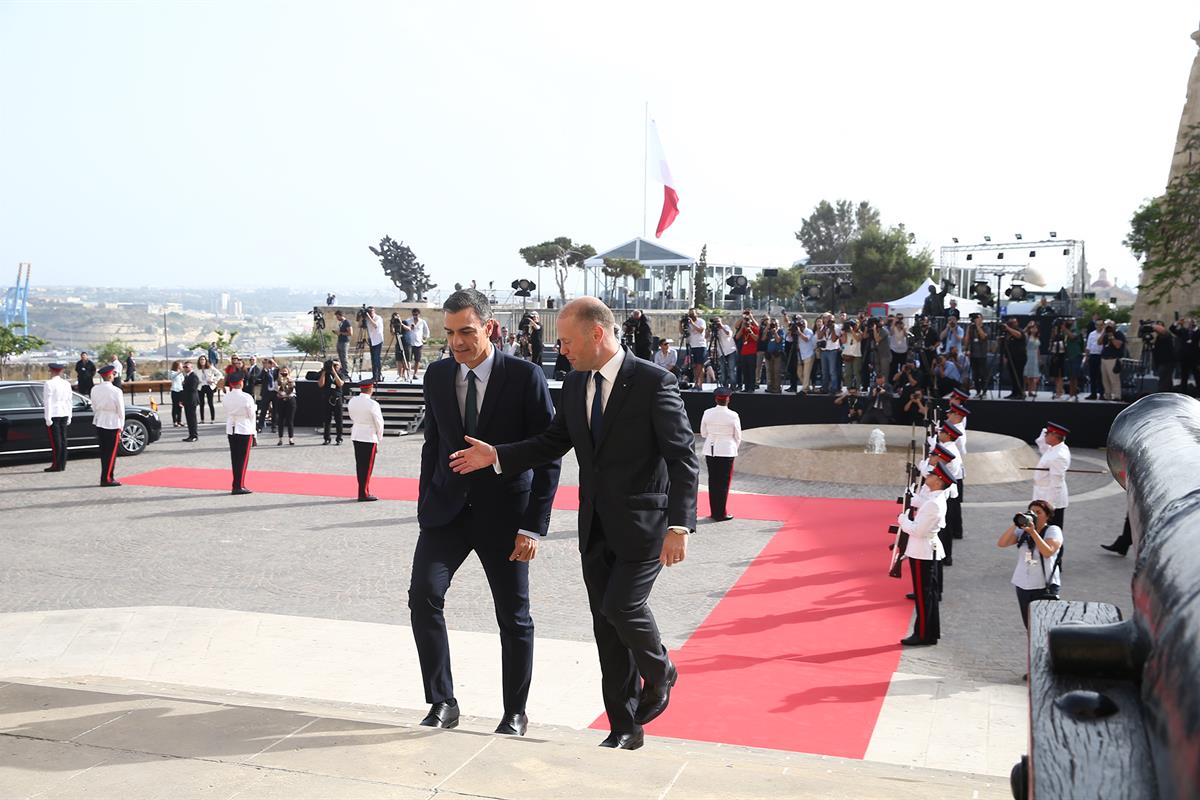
(249, 143)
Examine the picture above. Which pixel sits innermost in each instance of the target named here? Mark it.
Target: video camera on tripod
(318, 318)
(360, 316)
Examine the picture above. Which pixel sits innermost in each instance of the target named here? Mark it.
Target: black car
(23, 424)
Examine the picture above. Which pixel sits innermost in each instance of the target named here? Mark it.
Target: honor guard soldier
(56, 403)
(958, 414)
(367, 429)
(924, 551)
(240, 414)
(721, 428)
(108, 415)
(1050, 476)
(944, 453)
(953, 435)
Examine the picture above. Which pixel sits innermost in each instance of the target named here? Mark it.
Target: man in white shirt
(1050, 474)
(1094, 348)
(726, 353)
(108, 416)
(366, 433)
(375, 335)
(923, 551)
(56, 405)
(697, 346)
(721, 428)
(418, 331)
(240, 413)
(666, 356)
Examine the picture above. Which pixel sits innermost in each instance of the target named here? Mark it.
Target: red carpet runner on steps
(797, 655)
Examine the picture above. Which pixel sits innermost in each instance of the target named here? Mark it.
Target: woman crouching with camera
(1039, 548)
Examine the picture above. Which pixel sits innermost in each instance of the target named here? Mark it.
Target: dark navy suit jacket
(516, 406)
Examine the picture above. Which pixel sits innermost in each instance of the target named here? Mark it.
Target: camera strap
(1055, 570)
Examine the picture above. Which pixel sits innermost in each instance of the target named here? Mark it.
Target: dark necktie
(471, 413)
(597, 408)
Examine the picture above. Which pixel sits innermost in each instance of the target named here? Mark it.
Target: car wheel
(134, 437)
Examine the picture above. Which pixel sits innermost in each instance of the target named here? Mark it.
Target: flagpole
(645, 162)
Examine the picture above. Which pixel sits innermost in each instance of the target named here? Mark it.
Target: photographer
(746, 336)
(637, 328)
(1014, 351)
(1038, 574)
(344, 329)
(897, 335)
(667, 357)
(696, 344)
(951, 337)
(1112, 345)
(400, 336)
(726, 349)
(935, 301)
(851, 341)
(976, 339)
(855, 407)
(915, 411)
(534, 334)
(774, 361)
(1162, 343)
(830, 345)
(1032, 371)
(331, 385)
(418, 333)
(1189, 351)
(806, 353)
(1056, 358)
(1094, 348)
(927, 336)
(374, 326)
(879, 403)
(1073, 357)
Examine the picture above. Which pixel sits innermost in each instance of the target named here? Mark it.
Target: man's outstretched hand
(478, 456)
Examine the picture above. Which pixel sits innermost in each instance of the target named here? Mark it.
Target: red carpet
(796, 656)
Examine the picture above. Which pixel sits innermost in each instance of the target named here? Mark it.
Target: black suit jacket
(191, 388)
(641, 477)
(516, 405)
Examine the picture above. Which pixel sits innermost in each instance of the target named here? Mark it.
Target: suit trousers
(110, 440)
(364, 464)
(239, 457)
(627, 637)
(927, 626)
(334, 414)
(720, 474)
(189, 411)
(57, 431)
(377, 361)
(439, 554)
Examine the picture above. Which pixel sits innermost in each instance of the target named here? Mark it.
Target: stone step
(104, 737)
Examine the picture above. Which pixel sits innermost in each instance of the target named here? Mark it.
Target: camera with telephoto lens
(525, 326)
(1146, 330)
(360, 316)
(1023, 519)
(397, 325)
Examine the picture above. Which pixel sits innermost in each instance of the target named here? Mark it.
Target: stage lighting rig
(1016, 292)
(524, 287)
(738, 283)
(982, 292)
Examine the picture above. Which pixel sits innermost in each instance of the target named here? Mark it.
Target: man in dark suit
(191, 399)
(480, 391)
(637, 502)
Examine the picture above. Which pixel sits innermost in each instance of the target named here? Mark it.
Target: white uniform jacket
(1050, 480)
(108, 407)
(721, 428)
(240, 412)
(923, 529)
(57, 399)
(367, 417)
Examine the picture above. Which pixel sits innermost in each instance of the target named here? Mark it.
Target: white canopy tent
(913, 303)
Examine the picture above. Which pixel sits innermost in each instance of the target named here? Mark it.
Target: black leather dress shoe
(913, 641)
(725, 518)
(513, 724)
(624, 741)
(910, 596)
(1113, 548)
(654, 699)
(367, 498)
(191, 439)
(51, 469)
(442, 715)
(111, 483)
(241, 491)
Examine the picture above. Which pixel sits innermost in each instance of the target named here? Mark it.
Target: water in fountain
(876, 443)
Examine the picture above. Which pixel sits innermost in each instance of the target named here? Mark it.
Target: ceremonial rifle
(912, 475)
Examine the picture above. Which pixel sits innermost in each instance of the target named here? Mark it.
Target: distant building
(1106, 290)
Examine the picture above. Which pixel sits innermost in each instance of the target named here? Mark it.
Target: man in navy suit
(481, 392)
(638, 473)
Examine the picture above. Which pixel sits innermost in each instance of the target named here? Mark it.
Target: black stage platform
(1089, 421)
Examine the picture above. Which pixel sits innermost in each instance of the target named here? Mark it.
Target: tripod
(361, 345)
(402, 369)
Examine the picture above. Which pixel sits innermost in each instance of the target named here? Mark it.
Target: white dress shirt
(108, 406)
(57, 399)
(721, 428)
(1093, 346)
(666, 360)
(240, 412)
(1050, 480)
(695, 337)
(367, 419)
(418, 331)
(375, 329)
(483, 374)
(923, 529)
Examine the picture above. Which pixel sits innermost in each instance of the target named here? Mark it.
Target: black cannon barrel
(1154, 452)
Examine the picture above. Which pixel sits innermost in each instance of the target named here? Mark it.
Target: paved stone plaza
(262, 596)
